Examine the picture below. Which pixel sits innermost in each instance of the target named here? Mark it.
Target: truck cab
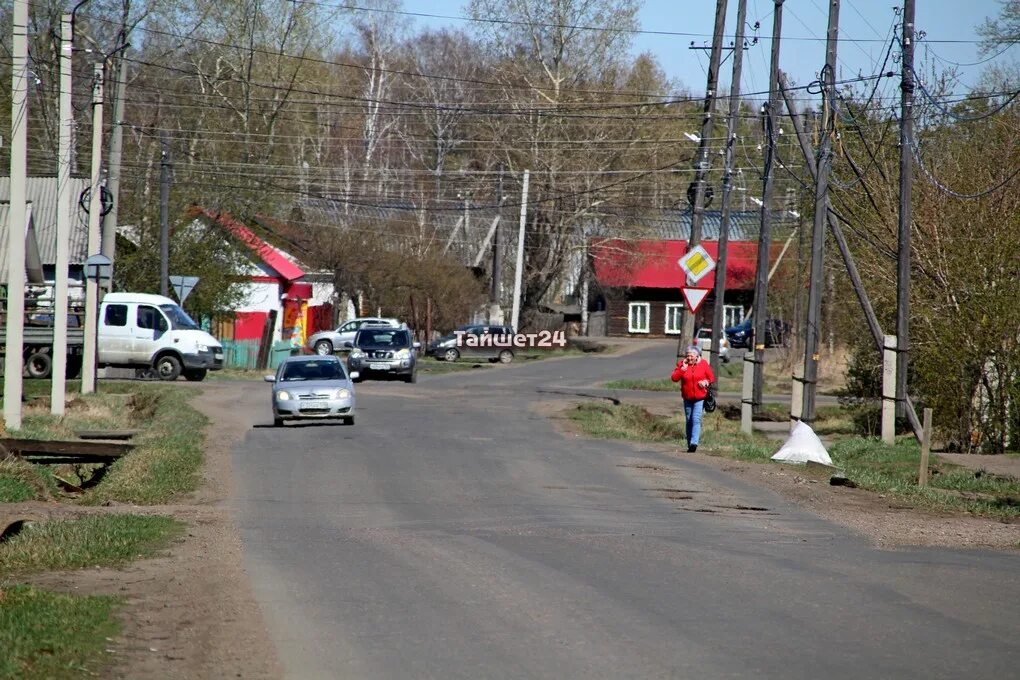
(140, 330)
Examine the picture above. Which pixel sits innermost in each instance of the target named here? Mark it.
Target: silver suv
(327, 342)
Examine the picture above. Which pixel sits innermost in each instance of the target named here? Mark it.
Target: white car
(327, 342)
(704, 340)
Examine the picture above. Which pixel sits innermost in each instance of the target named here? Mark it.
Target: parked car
(448, 347)
(312, 387)
(327, 342)
(704, 340)
(384, 351)
(777, 333)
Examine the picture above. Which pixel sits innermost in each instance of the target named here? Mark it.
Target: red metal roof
(653, 263)
(271, 256)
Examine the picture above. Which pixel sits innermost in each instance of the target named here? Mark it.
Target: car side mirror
(348, 345)
(269, 378)
(355, 375)
(417, 345)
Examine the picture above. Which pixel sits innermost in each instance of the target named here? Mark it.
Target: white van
(137, 330)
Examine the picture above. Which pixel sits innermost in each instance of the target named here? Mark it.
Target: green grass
(21, 481)
(890, 470)
(100, 540)
(51, 635)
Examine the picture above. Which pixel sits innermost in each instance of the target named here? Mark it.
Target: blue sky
(803, 47)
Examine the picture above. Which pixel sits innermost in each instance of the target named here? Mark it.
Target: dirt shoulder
(189, 613)
(886, 522)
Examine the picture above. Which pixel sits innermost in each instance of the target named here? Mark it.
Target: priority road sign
(694, 297)
(697, 264)
(183, 285)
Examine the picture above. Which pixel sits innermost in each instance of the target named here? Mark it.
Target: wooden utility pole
(702, 161)
(760, 308)
(89, 355)
(727, 188)
(903, 230)
(16, 216)
(164, 213)
(814, 306)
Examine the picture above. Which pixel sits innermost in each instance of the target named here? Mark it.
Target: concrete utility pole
(702, 162)
(16, 214)
(164, 213)
(903, 230)
(814, 306)
(58, 388)
(496, 290)
(88, 371)
(760, 308)
(727, 189)
(111, 219)
(519, 270)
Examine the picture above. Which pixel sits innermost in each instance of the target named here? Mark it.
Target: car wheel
(168, 367)
(451, 355)
(412, 378)
(349, 420)
(324, 348)
(39, 365)
(195, 374)
(277, 422)
(506, 356)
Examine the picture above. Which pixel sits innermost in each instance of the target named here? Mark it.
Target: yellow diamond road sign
(697, 263)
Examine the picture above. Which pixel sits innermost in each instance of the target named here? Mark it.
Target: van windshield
(179, 319)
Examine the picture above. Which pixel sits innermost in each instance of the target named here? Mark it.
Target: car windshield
(179, 319)
(313, 370)
(387, 337)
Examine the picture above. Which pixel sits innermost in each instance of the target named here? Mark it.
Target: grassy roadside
(731, 379)
(873, 466)
(51, 635)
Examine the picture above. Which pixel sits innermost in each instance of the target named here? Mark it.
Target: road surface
(455, 532)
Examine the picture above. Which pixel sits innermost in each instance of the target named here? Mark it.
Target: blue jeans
(692, 413)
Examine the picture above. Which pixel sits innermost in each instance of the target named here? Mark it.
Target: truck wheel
(195, 374)
(39, 365)
(168, 367)
(73, 366)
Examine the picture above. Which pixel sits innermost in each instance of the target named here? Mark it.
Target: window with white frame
(732, 315)
(637, 317)
(673, 314)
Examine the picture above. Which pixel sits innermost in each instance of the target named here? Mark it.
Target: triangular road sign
(183, 285)
(694, 297)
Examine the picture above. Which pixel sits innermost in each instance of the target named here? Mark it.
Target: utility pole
(58, 387)
(496, 290)
(111, 219)
(727, 189)
(164, 213)
(519, 270)
(760, 308)
(814, 306)
(906, 180)
(702, 161)
(16, 215)
(88, 371)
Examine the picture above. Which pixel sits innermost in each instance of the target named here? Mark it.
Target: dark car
(384, 351)
(455, 345)
(777, 333)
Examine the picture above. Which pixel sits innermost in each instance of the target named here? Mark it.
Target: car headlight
(356, 353)
(283, 395)
(343, 393)
(201, 348)
(402, 354)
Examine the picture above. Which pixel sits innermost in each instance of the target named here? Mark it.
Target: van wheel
(168, 367)
(195, 374)
(39, 365)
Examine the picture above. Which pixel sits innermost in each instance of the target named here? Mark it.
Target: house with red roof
(637, 281)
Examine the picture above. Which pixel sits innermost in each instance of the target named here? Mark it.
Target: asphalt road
(454, 532)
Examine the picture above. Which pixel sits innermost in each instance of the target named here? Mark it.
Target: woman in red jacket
(695, 377)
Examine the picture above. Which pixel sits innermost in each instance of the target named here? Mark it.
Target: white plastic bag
(803, 445)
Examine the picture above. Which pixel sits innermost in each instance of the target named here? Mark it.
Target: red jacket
(689, 375)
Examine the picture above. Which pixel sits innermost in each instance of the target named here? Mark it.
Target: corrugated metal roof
(33, 267)
(42, 193)
(675, 225)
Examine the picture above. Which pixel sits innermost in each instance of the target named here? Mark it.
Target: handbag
(710, 400)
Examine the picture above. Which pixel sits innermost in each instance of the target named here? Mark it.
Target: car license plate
(379, 367)
(314, 404)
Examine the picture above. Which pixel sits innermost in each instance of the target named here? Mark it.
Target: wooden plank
(24, 447)
(67, 458)
(922, 474)
(105, 434)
